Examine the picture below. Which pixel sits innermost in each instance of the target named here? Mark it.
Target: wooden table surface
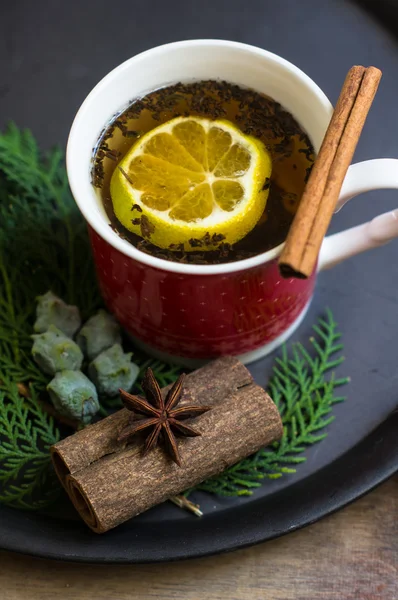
(352, 555)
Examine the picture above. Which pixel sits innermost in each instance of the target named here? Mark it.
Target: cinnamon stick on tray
(300, 253)
(109, 482)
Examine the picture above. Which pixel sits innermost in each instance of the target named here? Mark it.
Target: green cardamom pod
(51, 310)
(99, 333)
(112, 370)
(53, 351)
(74, 395)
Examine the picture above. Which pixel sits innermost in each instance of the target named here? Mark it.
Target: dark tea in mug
(243, 110)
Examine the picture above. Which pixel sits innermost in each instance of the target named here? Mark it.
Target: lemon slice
(189, 177)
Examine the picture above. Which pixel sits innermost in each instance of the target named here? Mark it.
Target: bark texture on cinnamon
(109, 483)
(310, 224)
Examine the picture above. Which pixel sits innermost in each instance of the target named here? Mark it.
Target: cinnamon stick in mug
(300, 253)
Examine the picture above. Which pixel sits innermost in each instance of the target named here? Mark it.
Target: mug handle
(380, 173)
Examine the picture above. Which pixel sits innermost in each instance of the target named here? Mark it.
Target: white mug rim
(103, 229)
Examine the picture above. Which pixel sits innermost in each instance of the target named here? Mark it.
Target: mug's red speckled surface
(199, 316)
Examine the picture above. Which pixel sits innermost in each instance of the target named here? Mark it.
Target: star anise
(162, 416)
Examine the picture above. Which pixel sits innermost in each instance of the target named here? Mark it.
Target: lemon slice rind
(166, 174)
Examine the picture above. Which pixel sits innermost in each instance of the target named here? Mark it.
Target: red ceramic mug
(188, 312)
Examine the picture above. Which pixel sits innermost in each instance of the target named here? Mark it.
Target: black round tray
(44, 79)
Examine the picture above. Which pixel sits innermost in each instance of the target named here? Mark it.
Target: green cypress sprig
(26, 434)
(44, 245)
(303, 386)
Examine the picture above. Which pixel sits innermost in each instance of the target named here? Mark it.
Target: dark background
(53, 52)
